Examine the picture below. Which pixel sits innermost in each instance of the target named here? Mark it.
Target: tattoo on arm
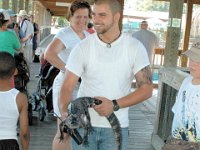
(144, 76)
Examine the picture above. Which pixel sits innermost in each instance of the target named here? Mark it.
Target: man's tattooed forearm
(144, 76)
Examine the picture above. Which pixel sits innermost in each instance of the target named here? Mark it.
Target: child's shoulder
(187, 80)
(21, 99)
(21, 96)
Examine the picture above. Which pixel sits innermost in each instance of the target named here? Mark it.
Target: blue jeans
(102, 139)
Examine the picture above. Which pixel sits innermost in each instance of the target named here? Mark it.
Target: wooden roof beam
(191, 1)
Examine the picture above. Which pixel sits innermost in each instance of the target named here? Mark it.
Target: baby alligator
(79, 117)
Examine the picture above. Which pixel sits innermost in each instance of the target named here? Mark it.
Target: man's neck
(109, 37)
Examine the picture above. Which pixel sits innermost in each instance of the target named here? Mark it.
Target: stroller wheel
(42, 114)
(30, 114)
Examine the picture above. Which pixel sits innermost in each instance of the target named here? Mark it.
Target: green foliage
(160, 6)
(144, 5)
(151, 5)
(1, 4)
(62, 21)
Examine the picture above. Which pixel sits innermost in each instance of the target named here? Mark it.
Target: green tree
(147, 5)
(1, 4)
(144, 5)
(62, 21)
(160, 6)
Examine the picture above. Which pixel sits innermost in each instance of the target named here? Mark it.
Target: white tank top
(9, 114)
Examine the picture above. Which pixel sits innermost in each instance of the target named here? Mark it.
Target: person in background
(27, 29)
(90, 28)
(9, 41)
(13, 18)
(107, 61)
(57, 54)
(13, 106)
(13, 26)
(36, 32)
(147, 38)
(186, 122)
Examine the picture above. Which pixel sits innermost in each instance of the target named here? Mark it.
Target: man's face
(31, 18)
(103, 18)
(194, 69)
(144, 26)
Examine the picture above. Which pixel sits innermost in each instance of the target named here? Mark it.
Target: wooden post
(173, 33)
(5, 4)
(121, 19)
(187, 32)
(21, 4)
(27, 6)
(15, 5)
(36, 12)
(33, 8)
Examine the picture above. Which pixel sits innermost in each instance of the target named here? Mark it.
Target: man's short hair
(115, 5)
(7, 65)
(144, 22)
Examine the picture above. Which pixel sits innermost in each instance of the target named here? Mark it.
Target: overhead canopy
(58, 7)
(191, 1)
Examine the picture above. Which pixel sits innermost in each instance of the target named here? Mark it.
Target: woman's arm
(51, 54)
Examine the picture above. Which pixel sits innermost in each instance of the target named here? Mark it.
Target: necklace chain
(108, 44)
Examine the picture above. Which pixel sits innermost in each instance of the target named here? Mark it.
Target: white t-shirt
(186, 122)
(69, 38)
(107, 72)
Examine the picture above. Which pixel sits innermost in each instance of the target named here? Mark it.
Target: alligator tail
(114, 122)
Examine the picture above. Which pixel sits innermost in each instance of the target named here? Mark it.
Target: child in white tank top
(13, 105)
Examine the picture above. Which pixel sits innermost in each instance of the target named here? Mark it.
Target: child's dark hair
(2, 21)
(7, 65)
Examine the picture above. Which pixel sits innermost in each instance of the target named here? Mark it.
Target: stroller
(42, 98)
(22, 78)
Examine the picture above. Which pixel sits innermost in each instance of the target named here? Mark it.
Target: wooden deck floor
(141, 123)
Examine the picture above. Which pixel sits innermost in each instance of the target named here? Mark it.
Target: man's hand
(105, 108)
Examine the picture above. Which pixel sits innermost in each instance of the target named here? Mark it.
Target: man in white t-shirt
(107, 61)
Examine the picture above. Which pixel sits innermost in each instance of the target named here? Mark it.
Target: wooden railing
(158, 58)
